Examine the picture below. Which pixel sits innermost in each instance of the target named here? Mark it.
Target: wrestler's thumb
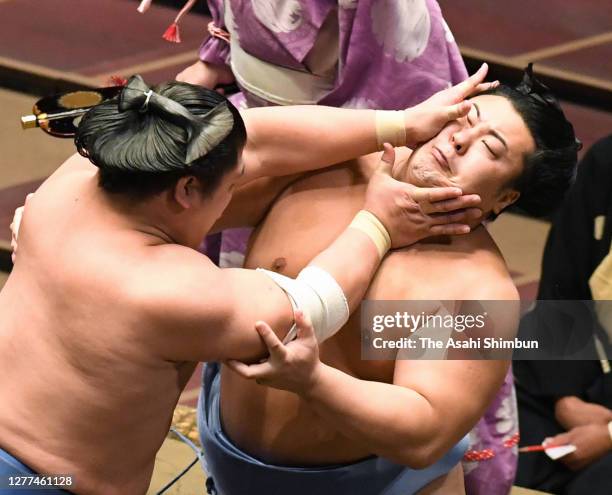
(387, 159)
(305, 329)
(459, 110)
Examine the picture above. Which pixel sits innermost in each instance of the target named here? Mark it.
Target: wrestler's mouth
(441, 159)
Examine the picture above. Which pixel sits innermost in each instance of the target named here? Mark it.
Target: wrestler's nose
(460, 141)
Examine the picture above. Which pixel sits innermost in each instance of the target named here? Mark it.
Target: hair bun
(203, 133)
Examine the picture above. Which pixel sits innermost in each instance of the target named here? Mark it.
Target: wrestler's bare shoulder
(464, 267)
(75, 164)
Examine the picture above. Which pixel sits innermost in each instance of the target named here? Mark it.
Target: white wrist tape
(318, 295)
(390, 128)
(370, 225)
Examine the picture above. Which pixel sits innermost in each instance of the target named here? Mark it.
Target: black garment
(571, 256)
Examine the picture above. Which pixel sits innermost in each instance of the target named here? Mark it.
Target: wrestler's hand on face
(291, 367)
(206, 74)
(15, 224)
(592, 442)
(412, 213)
(427, 119)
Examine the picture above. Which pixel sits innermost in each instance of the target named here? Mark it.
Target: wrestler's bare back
(81, 391)
(280, 427)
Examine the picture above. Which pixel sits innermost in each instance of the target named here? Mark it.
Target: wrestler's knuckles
(294, 371)
(412, 228)
(405, 221)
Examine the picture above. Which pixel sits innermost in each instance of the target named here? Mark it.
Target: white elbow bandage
(390, 128)
(318, 295)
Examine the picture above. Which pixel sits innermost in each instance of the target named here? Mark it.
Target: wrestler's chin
(423, 174)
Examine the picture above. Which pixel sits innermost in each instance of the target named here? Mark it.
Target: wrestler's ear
(187, 191)
(505, 199)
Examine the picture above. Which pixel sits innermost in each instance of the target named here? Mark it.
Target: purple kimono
(380, 54)
(490, 463)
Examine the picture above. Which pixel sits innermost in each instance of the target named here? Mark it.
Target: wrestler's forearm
(394, 422)
(287, 140)
(352, 260)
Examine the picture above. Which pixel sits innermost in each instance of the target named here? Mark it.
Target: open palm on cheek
(293, 367)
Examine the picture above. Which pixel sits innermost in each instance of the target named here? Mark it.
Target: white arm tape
(318, 295)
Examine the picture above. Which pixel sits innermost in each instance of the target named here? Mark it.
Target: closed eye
(493, 132)
(489, 148)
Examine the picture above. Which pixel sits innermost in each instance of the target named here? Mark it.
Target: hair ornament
(532, 87)
(203, 132)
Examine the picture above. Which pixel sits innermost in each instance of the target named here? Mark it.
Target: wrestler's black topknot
(142, 153)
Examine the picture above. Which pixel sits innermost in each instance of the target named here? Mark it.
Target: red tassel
(117, 81)
(172, 34)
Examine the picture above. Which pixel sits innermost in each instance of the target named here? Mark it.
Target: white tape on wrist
(315, 292)
(390, 128)
(370, 225)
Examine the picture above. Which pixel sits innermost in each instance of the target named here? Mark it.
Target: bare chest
(306, 220)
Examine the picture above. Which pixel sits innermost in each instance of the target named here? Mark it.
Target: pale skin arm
(206, 74)
(214, 310)
(288, 140)
(429, 407)
(280, 144)
(282, 136)
(211, 315)
(283, 141)
(414, 421)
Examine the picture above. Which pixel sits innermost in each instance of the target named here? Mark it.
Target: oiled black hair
(142, 153)
(549, 170)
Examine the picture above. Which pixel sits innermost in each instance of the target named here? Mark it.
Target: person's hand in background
(592, 443)
(206, 74)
